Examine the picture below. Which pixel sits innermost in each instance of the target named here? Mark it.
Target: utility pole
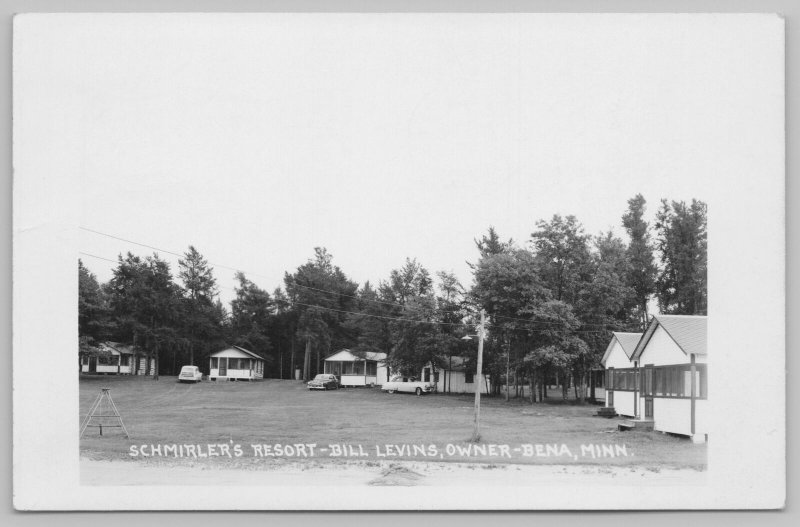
(476, 435)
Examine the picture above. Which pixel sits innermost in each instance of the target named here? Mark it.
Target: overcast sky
(258, 138)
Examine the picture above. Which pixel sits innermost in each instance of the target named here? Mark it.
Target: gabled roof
(689, 332)
(627, 342)
(238, 348)
(115, 348)
(347, 356)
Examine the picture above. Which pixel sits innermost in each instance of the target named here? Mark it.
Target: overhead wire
(394, 304)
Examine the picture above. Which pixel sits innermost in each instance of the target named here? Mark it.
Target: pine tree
(641, 275)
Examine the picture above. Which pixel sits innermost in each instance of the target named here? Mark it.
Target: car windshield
(322, 377)
(187, 369)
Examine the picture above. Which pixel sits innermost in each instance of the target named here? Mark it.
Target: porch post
(636, 389)
(693, 369)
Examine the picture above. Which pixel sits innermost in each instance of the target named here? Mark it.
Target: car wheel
(390, 391)
(418, 391)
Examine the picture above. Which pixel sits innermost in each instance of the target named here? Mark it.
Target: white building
(352, 370)
(235, 364)
(117, 359)
(621, 374)
(454, 377)
(672, 360)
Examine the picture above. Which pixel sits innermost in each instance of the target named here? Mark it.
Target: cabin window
(358, 368)
(469, 377)
(214, 363)
(108, 360)
(233, 364)
(372, 368)
(426, 375)
(622, 379)
(675, 381)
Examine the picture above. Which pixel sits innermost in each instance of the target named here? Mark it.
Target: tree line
(551, 304)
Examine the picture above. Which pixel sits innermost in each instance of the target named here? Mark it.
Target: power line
(394, 304)
(240, 270)
(385, 317)
(98, 257)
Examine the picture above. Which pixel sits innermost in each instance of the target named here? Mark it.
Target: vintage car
(190, 374)
(324, 381)
(408, 385)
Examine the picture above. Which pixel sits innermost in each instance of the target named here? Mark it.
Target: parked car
(324, 381)
(190, 374)
(408, 385)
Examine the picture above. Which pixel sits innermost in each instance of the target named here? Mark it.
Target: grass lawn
(285, 412)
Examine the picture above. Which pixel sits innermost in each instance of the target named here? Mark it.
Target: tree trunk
(292, 361)
(508, 372)
(532, 385)
(543, 387)
(307, 360)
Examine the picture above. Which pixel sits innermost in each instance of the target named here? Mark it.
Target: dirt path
(95, 472)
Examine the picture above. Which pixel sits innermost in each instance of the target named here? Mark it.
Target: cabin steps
(635, 424)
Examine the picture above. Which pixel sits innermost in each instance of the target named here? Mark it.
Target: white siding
(358, 380)
(235, 374)
(661, 350)
(672, 415)
(456, 383)
(382, 374)
(623, 403)
(617, 357)
(105, 368)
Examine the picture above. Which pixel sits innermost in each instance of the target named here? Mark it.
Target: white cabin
(371, 370)
(454, 377)
(621, 375)
(113, 359)
(672, 358)
(235, 364)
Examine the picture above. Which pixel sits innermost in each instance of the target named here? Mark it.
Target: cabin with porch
(235, 364)
(672, 361)
(113, 358)
(352, 370)
(621, 382)
(454, 377)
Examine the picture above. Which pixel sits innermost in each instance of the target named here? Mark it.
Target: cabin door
(647, 391)
(92, 364)
(223, 366)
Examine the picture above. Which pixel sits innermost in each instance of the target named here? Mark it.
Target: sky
(257, 139)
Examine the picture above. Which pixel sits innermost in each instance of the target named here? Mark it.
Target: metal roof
(627, 341)
(238, 348)
(690, 333)
(348, 356)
